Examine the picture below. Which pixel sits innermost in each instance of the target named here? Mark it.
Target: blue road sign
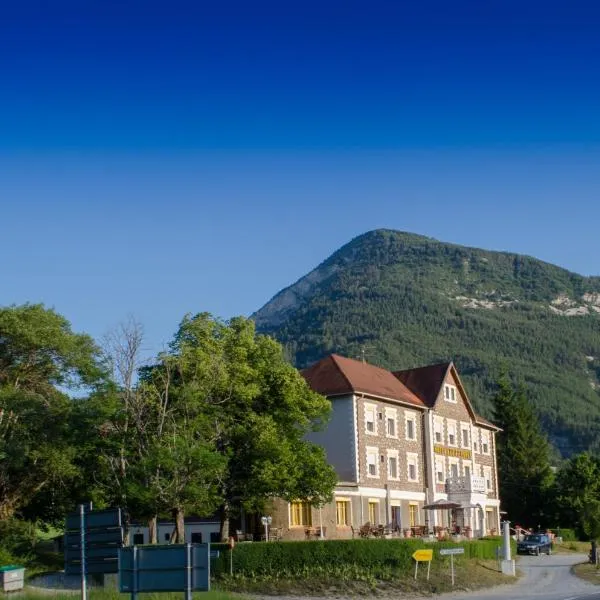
(169, 568)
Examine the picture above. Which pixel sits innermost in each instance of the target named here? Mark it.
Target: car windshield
(533, 538)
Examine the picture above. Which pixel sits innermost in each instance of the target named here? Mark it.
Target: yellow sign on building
(423, 555)
(456, 452)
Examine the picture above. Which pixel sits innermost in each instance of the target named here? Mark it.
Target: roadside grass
(572, 547)
(469, 575)
(587, 572)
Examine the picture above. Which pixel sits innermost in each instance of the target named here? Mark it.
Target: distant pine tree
(523, 458)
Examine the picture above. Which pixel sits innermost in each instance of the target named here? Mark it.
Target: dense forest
(401, 300)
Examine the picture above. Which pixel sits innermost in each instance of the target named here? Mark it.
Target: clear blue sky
(164, 158)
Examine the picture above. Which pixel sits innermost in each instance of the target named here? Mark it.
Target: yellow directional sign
(423, 555)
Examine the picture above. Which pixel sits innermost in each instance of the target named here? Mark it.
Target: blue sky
(164, 158)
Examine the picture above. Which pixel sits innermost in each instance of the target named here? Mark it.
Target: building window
(138, 539)
(412, 467)
(300, 514)
(485, 442)
(342, 512)
(411, 427)
(476, 442)
(393, 467)
(372, 467)
(490, 521)
(449, 393)
(454, 470)
(390, 422)
(370, 425)
(437, 427)
(439, 470)
(466, 443)
(451, 433)
(413, 514)
(197, 537)
(487, 473)
(374, 512)
(467, 469)
(391, 427)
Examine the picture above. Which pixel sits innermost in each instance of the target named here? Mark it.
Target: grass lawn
(469, 575)
(591, 573)
(571, 547)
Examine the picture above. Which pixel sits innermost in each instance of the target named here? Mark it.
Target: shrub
(568, 535)
(17, 539)
(335, 557)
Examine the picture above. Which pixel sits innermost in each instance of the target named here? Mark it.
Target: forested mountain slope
(405, 300)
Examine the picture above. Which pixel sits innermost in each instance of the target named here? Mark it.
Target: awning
(442, 505)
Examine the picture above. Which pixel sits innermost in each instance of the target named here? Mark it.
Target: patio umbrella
(442, 505)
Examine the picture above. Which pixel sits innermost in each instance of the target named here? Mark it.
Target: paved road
(544, 578)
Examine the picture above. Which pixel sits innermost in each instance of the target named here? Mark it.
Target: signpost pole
(134, 574)
(452, 568)
(416, 568)
(428, 569)
(82, 542)
(188, 574)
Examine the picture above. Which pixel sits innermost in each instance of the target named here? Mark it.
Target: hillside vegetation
(405, 300)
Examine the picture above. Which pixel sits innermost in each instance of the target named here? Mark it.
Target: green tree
(257, 410)
(523, 457)
(578, 494)
(40, 357)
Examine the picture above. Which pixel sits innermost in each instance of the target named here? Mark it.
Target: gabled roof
(426, 383)
(335, 375)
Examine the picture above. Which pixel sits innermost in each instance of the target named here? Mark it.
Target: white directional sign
(451, 551)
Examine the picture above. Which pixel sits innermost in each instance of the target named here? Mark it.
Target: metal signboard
(96, 519)
(424, 555)
(92, 542)
(73, 554)
(108, 565)
(170, 568)
(106, 536)
(451, 551)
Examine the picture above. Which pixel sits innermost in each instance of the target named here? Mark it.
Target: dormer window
(449, 393)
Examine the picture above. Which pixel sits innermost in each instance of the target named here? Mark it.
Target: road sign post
(451, 552)
(82, 551)
(425, 555)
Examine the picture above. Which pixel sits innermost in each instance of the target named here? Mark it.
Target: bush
(17, 539)
(568, 535)
(335, 557)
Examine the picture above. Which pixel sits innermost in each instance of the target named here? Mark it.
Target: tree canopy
(40, 358)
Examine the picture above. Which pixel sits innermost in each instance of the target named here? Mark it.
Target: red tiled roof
(425, 382)
(335, 375)
(481, 421)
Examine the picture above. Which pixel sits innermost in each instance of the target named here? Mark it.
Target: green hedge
(296, 559)
(568, 535)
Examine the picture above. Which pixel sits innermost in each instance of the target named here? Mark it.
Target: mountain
(401, 300)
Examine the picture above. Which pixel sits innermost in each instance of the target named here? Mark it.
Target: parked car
(535, 543)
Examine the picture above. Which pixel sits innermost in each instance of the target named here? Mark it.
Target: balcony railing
(466, 485)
